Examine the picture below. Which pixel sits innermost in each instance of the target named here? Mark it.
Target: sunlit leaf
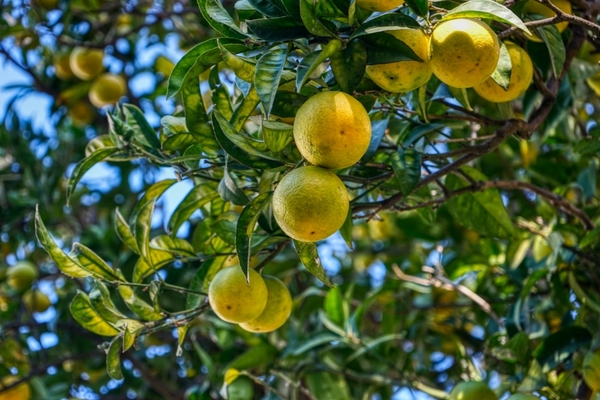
(113, 359)
(86, 316)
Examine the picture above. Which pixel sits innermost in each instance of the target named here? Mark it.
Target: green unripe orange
(107, 89)
(241, 389)
(86, 63)
(36, 301)
(21, 275)
(235, 300)
(277, 310)
(310, 204)
(472, 391)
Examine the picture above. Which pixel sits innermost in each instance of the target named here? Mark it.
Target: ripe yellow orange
(36, 301)
(86, 63)
(233, 299)
(310, 204)
(464, 52)
(21, 275)
(472, 391)
(81, 113)
(591, 369)
(107, 89)
(520, 78)
(379, 5)
(404, 76)
(535, 7)
(62, 67)
(277, 310)
(332, 130)
(19, 392)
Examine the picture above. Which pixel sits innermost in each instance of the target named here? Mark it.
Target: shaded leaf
(560, 345)
(386, 22)
(308, 254)
(219, 19)
(268, 74)
(406, 164)
(486, 9)
(278, 29)
(113, 359)
(349, 65)
(501, 74)
(84, 165)
(124, 232)
(245, 228)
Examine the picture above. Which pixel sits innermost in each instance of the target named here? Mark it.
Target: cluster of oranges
(87, 65)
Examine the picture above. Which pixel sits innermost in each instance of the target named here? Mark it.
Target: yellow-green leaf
(86, 316)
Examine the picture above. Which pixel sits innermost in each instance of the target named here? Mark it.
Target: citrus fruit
(591, 369)
(21, 275)
(472, 391)
(19, 392)
(81, 113)
(535, 7)
(107, 89)
(36, 301)
(62, 69)
(520, 78)
(277, 311)
(523, 396)
(464, 52)
(404, 76)
(379, 5)
(235, 300)
(241, 389)
(528, 151)
(232, 260)
(310, 203)
(86, 63)
(332, 130)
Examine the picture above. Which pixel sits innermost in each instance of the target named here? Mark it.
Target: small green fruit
(21, 275)
(472, 391)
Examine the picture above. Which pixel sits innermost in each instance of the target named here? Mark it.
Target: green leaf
(378, 129)
(346, 229)
(308, 254)
(269, 68)
(329, 385)
(242, 68)
(194, 300)
(334, 306)
(486, 9)
(113, 359)
(221, 126)
(137, 305)
(258, 355)
(86, 316)
(581, 295)
(103, 304)
(406, 164)
(591, 238)
(278, 29)
(501, 74)
(173, 245)
(65, 264)
(245, 228)
(311, 20)
(277, 135)
(84, 165)
(90, 261)
(371, 344)
(219, 19)
(245, 109)
(415, 134)
(419, 7)
(386, 22)
(551, 37)
(124, 232)
(230, 192)
(137, 121)
(313, 342)
(286, 103)
(155, 260)
(560, 345)
(535, 378)
(199, 196)
(349, 65)
(461, 96)
(142, 227)
(483, 212)
(309, 64)
(151, 194)
(131, 330)
(269, 8)
(197, 60)
(519, 344)
(196, 118)
(384, 48)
